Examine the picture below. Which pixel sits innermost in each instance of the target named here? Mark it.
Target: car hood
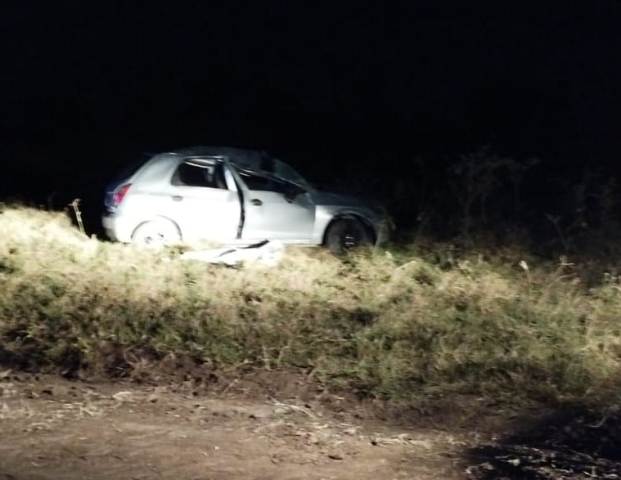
(337, 199)
(349, 203)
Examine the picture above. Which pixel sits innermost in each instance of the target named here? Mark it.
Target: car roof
(245, 159)
(241, 157)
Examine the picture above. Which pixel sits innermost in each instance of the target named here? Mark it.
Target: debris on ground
(267, 253)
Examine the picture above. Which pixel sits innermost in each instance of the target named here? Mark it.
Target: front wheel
(346, 234)
(156, 234)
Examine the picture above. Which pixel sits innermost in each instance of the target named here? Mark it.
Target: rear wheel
(156, 234)
(346, 234)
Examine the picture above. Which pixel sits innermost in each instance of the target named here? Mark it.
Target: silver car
(233, 196)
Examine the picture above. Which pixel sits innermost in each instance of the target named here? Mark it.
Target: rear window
(128, 170)
(198, 174)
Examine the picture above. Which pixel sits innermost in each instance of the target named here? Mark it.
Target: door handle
(256, 201)
(177, 198)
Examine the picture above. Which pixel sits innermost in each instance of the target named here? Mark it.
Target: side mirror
(292, 191)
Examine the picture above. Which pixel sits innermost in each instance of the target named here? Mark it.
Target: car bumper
(382, 232)
(118, 228)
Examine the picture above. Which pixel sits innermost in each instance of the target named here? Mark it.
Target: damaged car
(234, 196)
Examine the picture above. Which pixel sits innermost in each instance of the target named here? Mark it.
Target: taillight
(119, 194)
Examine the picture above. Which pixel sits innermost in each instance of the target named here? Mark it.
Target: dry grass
(394, 325)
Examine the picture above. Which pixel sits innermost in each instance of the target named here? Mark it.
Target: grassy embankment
(397, 325)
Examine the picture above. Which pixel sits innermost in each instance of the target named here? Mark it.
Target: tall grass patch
(396, 326)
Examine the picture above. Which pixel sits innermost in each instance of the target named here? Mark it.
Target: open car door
(203, 201)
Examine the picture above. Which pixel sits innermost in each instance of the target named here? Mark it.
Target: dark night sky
(95, 82)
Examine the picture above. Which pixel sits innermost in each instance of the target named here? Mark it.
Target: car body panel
(203, 213)
(276, 218)
(272, 213)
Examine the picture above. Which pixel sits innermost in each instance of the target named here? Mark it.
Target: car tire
(346, 234)
(156, 234)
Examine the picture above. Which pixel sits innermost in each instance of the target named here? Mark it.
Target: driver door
(276, 210)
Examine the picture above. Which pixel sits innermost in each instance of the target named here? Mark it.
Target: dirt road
(56, 429)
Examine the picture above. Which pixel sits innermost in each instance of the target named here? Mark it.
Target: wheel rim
(156, 236)
(350, 240)
(351, 237)
(152, 240)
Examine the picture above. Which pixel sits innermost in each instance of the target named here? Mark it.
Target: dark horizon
(358, 89)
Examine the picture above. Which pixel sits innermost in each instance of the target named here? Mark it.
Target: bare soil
(52, 428)
(279, 428)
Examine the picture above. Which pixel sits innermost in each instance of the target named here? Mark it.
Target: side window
(262, 183)
(195, 174)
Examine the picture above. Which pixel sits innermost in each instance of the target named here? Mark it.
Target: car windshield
(286, 172)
